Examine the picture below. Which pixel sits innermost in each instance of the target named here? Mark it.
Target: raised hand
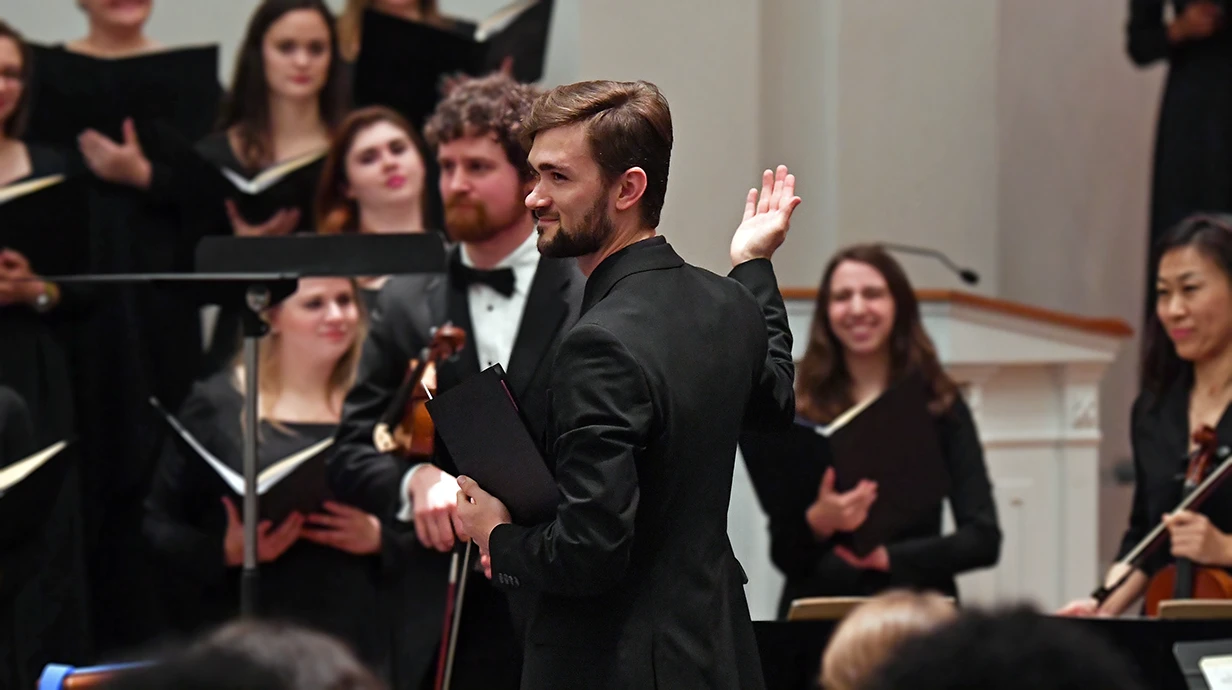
(766, 218)
(839, 512)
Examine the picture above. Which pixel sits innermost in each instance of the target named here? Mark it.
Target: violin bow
(1152, 540)
(457, 614)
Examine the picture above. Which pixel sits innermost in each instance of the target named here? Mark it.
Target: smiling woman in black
(1187, 384)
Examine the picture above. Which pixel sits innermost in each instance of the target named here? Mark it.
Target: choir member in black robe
(1193, 141)
(327, 570)
(42, 582)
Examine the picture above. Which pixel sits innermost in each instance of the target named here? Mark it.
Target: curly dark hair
(495, 104)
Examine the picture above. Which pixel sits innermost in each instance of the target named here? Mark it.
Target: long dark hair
(823, 383)
(1211, 235)
(335, 212)
(15, 126)
(247, 105)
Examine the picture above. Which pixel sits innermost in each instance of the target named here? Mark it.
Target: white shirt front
(495, 320)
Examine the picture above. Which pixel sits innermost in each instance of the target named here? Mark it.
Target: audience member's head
(873, 630)
(1013, 649)
(484, 174)
(255, 655)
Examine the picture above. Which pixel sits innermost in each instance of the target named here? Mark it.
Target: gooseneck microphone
(968, 276)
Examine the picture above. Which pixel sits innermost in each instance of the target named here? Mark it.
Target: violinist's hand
(1195, 538)
(270, 545)
(121, 163)
(346, 529)
(839, 512)
(1081, 608)
(434, 499)
(281, 223)
(16, 284)
(767, 219)
(479, 512)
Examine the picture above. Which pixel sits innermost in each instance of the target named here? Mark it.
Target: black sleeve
(180, 498)
(1146, 35)
(976, 541)
(773, 401)
(1140, 523)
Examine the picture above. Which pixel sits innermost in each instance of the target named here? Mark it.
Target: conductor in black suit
(513, 305)
(636, 582)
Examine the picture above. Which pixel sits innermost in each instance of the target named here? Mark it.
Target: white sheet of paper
(1217, 670)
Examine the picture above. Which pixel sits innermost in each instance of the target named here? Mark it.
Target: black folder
(72, 92)
(1189, 656)
(891, 440)
(47, 220)
(482, 427)
(401, 63)
(28, 491)
(297, 482)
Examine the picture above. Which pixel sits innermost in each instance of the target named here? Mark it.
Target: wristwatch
(45, 300)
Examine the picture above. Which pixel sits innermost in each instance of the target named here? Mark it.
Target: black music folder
(70, 92)
(401, 63)
(891, 440)
(46, 219)
(482, 427)
(28, 491)
(295, 483)
(1198, 659)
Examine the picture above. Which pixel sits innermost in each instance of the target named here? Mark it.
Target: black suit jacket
(1159, 429)
(636, 580)
(406, 310)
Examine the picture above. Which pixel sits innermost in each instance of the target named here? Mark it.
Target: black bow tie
(499, 279)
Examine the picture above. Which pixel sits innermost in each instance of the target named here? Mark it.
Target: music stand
(256, 273)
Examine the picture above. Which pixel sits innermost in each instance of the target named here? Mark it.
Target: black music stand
(256, 273)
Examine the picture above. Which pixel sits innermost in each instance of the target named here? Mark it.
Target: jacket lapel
(466, 362)
(542, 317)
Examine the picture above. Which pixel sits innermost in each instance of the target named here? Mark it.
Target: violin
(406, 428)
(1183, 579)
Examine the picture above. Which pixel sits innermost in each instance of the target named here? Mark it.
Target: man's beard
(595, 228)
(468, 221)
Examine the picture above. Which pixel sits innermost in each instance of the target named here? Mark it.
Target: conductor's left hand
(766, 219)
(479, 512)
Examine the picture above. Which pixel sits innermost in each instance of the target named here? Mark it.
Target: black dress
(1193, 142)
(919, 556)
(43, 613)
(324, 588)
(1159, 431)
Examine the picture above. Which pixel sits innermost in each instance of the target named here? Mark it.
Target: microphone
(968, 276)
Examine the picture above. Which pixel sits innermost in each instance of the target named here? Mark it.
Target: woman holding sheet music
(42, 579)
(325, 569)
(867, 336)
(1186, 384)
(287, 97)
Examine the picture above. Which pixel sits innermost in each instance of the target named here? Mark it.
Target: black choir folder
(72, 92)
(891, 439)
(46, 220)
(401, 63)
(485, 434)
(28, 490)
(296, 483)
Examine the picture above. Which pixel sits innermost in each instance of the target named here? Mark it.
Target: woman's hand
(877, 559)
(121, 163)
(839, 512)
(1195, 538)
(18, 284)
(281, 223)
(270, 545)
(1080, 608)
(1199, 20)
(347, 529)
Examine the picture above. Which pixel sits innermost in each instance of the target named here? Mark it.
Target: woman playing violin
(1187, 385)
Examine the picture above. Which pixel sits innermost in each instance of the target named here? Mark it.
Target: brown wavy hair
(337, 214)
(495, 104)
(15, 126)
(823, 382)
